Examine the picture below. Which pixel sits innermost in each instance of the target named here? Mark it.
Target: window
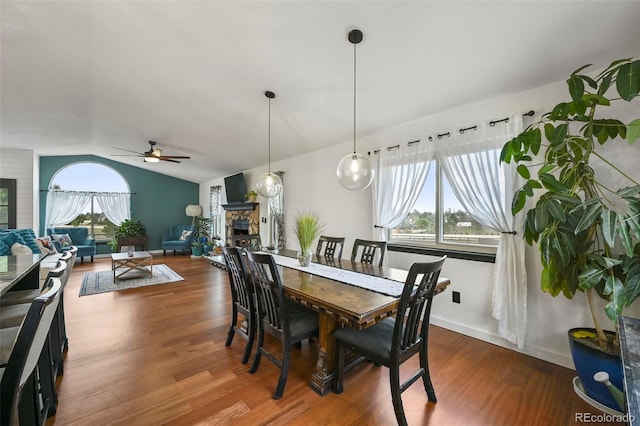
(7, 203)
(92, 180)
(439, 220)
(215, 211)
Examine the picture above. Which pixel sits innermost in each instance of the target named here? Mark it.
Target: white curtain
(116, 206)
(485, 187)
(64, 206)
(399, 175)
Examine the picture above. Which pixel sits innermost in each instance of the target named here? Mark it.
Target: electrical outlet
(455, 296)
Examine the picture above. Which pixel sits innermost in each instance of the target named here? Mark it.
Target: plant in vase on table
(128, 228)
(307, 228)
(586, 220)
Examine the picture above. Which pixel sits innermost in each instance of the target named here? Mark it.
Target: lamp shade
(354, 172)
(193, 210)
(269, 184)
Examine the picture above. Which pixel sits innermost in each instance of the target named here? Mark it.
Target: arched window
(99, 196)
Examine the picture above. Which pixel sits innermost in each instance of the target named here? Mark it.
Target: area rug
(102, 281)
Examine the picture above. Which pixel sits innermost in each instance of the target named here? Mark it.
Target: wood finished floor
(156, 356)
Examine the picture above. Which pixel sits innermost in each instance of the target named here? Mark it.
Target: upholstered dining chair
(393, 341)
(242, 299)
(23, 397)
(288, 322)
(369, 251)
(247, 242)
(331, 245)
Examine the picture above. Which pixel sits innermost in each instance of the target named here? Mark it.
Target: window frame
(484, 253)
(12, 186)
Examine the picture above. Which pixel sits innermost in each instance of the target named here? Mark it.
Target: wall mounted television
(235, 188)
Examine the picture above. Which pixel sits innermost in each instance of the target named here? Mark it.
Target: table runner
(380, 285)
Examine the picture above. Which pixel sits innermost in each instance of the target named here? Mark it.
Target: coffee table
(131, 265)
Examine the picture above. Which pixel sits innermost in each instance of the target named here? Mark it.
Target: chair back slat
(369, 251)
(414, 308)
(241, 288)
(268, 285)
(332, 246)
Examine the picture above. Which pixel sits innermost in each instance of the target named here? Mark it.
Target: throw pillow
(63, 239)
(46, 245)
(10, 238)
(18, 249)
(185, 235)
(5, 250)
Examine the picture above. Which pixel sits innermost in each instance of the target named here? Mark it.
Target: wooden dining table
(338, 304)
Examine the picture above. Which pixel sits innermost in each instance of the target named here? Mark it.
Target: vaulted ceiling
(87, 77)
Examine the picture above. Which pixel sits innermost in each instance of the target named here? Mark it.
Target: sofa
(65, 237)
(24, 236)
(179, 237)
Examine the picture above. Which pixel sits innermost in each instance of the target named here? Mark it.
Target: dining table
(20, 272)
(332, 288)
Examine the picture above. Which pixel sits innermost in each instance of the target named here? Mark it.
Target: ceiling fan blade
(168, 159)
(128, 150)
(163, 157)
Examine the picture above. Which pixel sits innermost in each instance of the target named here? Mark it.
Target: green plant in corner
(587, 231)
(128, 228)
(200, 231)
(307, 228)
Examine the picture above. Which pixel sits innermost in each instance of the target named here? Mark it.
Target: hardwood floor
(156, 356)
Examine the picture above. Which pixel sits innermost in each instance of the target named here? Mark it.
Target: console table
(134, 241)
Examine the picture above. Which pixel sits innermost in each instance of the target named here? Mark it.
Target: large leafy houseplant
(128, 228)
(587, 232)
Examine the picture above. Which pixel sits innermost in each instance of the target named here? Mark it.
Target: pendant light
(354, 170)
(269, 184)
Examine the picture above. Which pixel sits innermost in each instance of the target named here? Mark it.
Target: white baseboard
(534, 351)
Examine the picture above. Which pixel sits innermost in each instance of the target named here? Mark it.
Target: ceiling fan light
(151, 159)
(354, 172)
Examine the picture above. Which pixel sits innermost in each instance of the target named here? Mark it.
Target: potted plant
(307, 228)
(130, 232)
(200, 235)
(587, 229)
(251, 196)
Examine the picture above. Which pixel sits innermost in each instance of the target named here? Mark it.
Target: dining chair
(242, 299)
(331, 244)
(23, 399)
(369, 250)
(247, 242)
(393, 341)
(288, 322)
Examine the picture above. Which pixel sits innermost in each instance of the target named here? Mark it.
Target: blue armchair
(79, 237)
(175, 240)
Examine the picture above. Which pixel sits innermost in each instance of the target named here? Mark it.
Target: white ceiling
(84, 77)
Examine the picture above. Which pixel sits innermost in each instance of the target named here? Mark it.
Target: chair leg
(256, 358)
(394, 378)
(91, 258)
(284, 372)
(164, 252)
(232, 328)
(339, 374)
(252, 335)
(426, 377)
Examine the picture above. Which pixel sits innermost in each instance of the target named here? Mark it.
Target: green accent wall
(158, 200)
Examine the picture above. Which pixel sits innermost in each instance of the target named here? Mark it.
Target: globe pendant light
(354, 170)
(269, 184)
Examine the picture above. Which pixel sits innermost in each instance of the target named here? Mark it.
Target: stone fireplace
(241, 219)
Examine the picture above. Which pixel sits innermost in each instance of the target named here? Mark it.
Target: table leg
(325, 367)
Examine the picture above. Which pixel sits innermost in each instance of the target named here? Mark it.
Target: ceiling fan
(154, 154)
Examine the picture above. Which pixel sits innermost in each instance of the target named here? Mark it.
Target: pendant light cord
(354, 98)
(269, 155)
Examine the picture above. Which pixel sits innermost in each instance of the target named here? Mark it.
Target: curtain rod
(529, 113)
(87, 192)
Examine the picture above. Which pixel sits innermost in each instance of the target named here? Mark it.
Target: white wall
(22, 165)
(310, 184)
